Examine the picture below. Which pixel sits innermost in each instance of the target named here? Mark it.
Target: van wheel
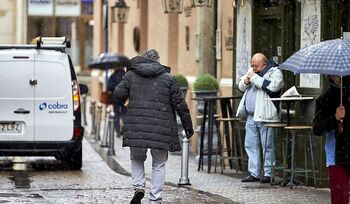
(75, 159)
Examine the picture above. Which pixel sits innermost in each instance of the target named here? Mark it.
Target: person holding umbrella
(118, 105)
(332, 118)
(332, 58)
(150, 121)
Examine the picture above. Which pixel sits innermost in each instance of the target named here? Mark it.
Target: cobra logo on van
(54, 107)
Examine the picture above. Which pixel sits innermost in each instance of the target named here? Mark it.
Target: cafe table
(208, 113)
(288, 101)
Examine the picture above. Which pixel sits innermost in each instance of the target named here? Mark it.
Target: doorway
(276, 32)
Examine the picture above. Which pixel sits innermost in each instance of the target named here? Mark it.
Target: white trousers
(159, 158)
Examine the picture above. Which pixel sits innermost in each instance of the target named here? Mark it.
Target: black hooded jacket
(154, 97)
(325, 121)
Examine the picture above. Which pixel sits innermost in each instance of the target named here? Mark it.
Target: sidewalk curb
(111, 162)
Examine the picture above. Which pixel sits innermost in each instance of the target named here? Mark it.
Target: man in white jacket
(264, 80)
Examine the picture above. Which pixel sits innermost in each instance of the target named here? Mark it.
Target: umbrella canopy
(331, 57)
(108, 60)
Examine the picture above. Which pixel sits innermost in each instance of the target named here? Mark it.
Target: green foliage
(181, 80)
(205, 82)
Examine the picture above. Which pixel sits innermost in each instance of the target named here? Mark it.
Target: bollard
(98, 122)
(184, 180)
(111, 134)
(84, 108)
(104, 142)
(93, 113)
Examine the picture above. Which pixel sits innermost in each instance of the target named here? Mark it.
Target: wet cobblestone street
(45, 180)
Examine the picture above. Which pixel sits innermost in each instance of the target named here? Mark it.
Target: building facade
(199, 40)
(24, 20)
(13, 21)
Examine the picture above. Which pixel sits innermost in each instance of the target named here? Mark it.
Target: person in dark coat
(332, 119)
(150, 122)
(118, 105)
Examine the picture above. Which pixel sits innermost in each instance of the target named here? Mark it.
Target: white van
(40, 102)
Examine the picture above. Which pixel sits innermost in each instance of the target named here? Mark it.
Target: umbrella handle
(341, 90)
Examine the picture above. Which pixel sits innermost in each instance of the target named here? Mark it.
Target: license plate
(10, 127)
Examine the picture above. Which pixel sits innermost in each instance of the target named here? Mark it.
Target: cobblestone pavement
(227, 184)
(45, 180)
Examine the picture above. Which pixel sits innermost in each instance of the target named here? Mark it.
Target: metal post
(98, 121)
(111, 134)
(93, 113)
(104, 142)
(184, 180)
(84, 108)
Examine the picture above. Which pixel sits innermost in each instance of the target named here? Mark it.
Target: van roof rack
(46, 43)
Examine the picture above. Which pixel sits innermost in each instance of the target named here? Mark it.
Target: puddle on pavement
(20, 175)
(9, 195)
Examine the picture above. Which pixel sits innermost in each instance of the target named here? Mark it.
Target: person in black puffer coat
(150, 121)
(332, 118)
(118, 105)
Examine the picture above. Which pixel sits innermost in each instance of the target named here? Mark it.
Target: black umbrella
(109, 60)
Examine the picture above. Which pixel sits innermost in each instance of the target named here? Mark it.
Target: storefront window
(76, 28)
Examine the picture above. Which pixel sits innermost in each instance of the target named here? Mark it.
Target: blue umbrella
(331, 57)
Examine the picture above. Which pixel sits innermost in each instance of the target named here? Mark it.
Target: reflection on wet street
(47, 180)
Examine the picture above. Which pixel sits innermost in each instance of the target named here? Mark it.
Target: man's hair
(152, 54)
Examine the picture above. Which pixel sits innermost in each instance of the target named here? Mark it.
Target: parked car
(40, 102)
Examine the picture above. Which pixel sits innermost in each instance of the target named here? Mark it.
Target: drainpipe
(105, 28)
(218, 41)
(234, 60)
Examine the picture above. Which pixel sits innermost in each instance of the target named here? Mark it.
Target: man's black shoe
(265, 179)
(250, 178)
(139, 194)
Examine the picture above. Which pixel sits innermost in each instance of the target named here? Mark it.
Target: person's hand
(247, 81)
(189, 132)
(249, 76)
(340, 113)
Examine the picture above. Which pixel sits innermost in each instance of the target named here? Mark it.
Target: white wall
(244, 37)
(13, 21)
(7, 22)
(310, 34)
